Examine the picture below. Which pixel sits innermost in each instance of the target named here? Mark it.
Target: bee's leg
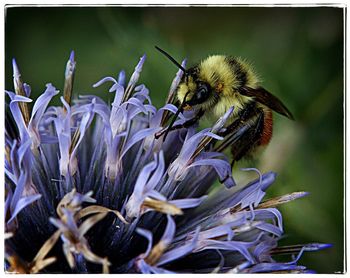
(244, 115)
(166, 115)
(186, 124)
(239, 127)
(224, 179)
(246, 144)
(243, 135)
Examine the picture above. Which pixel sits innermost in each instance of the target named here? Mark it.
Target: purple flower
(90, 189)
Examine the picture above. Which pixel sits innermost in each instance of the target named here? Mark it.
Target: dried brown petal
(162, 206)
(69, 256)
(94, 258)
(90, 222)
(156, 252)
(274, 202)
(99, 209)
(42, 264)
(47, 246)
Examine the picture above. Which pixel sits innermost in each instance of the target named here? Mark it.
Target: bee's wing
(266, 98)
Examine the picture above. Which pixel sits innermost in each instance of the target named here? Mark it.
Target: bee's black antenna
(171, 59)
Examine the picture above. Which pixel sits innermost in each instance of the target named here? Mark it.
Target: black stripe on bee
(238, 70)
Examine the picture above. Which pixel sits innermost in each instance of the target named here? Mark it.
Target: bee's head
(193, 91)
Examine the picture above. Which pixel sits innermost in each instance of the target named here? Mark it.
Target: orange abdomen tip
(267, 130)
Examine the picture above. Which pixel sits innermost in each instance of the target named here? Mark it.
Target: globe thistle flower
(90, 189)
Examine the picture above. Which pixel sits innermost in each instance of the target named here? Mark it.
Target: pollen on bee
(219, 88)
(187, 107)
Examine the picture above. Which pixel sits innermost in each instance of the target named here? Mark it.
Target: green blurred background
(298, 53)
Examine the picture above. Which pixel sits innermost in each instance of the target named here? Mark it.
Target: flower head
(90, 189)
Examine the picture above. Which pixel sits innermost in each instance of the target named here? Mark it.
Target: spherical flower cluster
(89, 188)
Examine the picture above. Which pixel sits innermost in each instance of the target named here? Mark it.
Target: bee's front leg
(186, 124)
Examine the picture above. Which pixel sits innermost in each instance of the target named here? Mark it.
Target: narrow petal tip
(15, 68)
(297, 195)
(321, 246)
(121, 78)
(71, 56)
(141, 62)
(310, 247)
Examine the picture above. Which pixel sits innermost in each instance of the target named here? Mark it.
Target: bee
(218, 83)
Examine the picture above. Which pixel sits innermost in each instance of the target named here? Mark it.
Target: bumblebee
(219, 82)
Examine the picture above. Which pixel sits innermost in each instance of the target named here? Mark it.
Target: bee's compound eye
(201, 94)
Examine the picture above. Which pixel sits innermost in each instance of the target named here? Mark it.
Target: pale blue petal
(150, 108)
(262, 250)
(137, 103)
(240, 246)
(39, 109)
(84, 124)
(169, 231)
(267, 227)
(143, 177)
(156, 195)
(22, 203)
(17, 114)
(144, 267)
(180, 251)
(48, 139)
(104, 80)
(218, 231)
(189, 147)
(148, 235)
(222, 168)
(121, 78)
(158, 173)
(138, 136)
(27, 89)
(252, 198)
(188, 203)
(316, 246)
(270, 267)
(16, 72)
(119, 93)
(22, 151)
(21, 183)
(222, 120)
(136, 74)
(269, 213)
